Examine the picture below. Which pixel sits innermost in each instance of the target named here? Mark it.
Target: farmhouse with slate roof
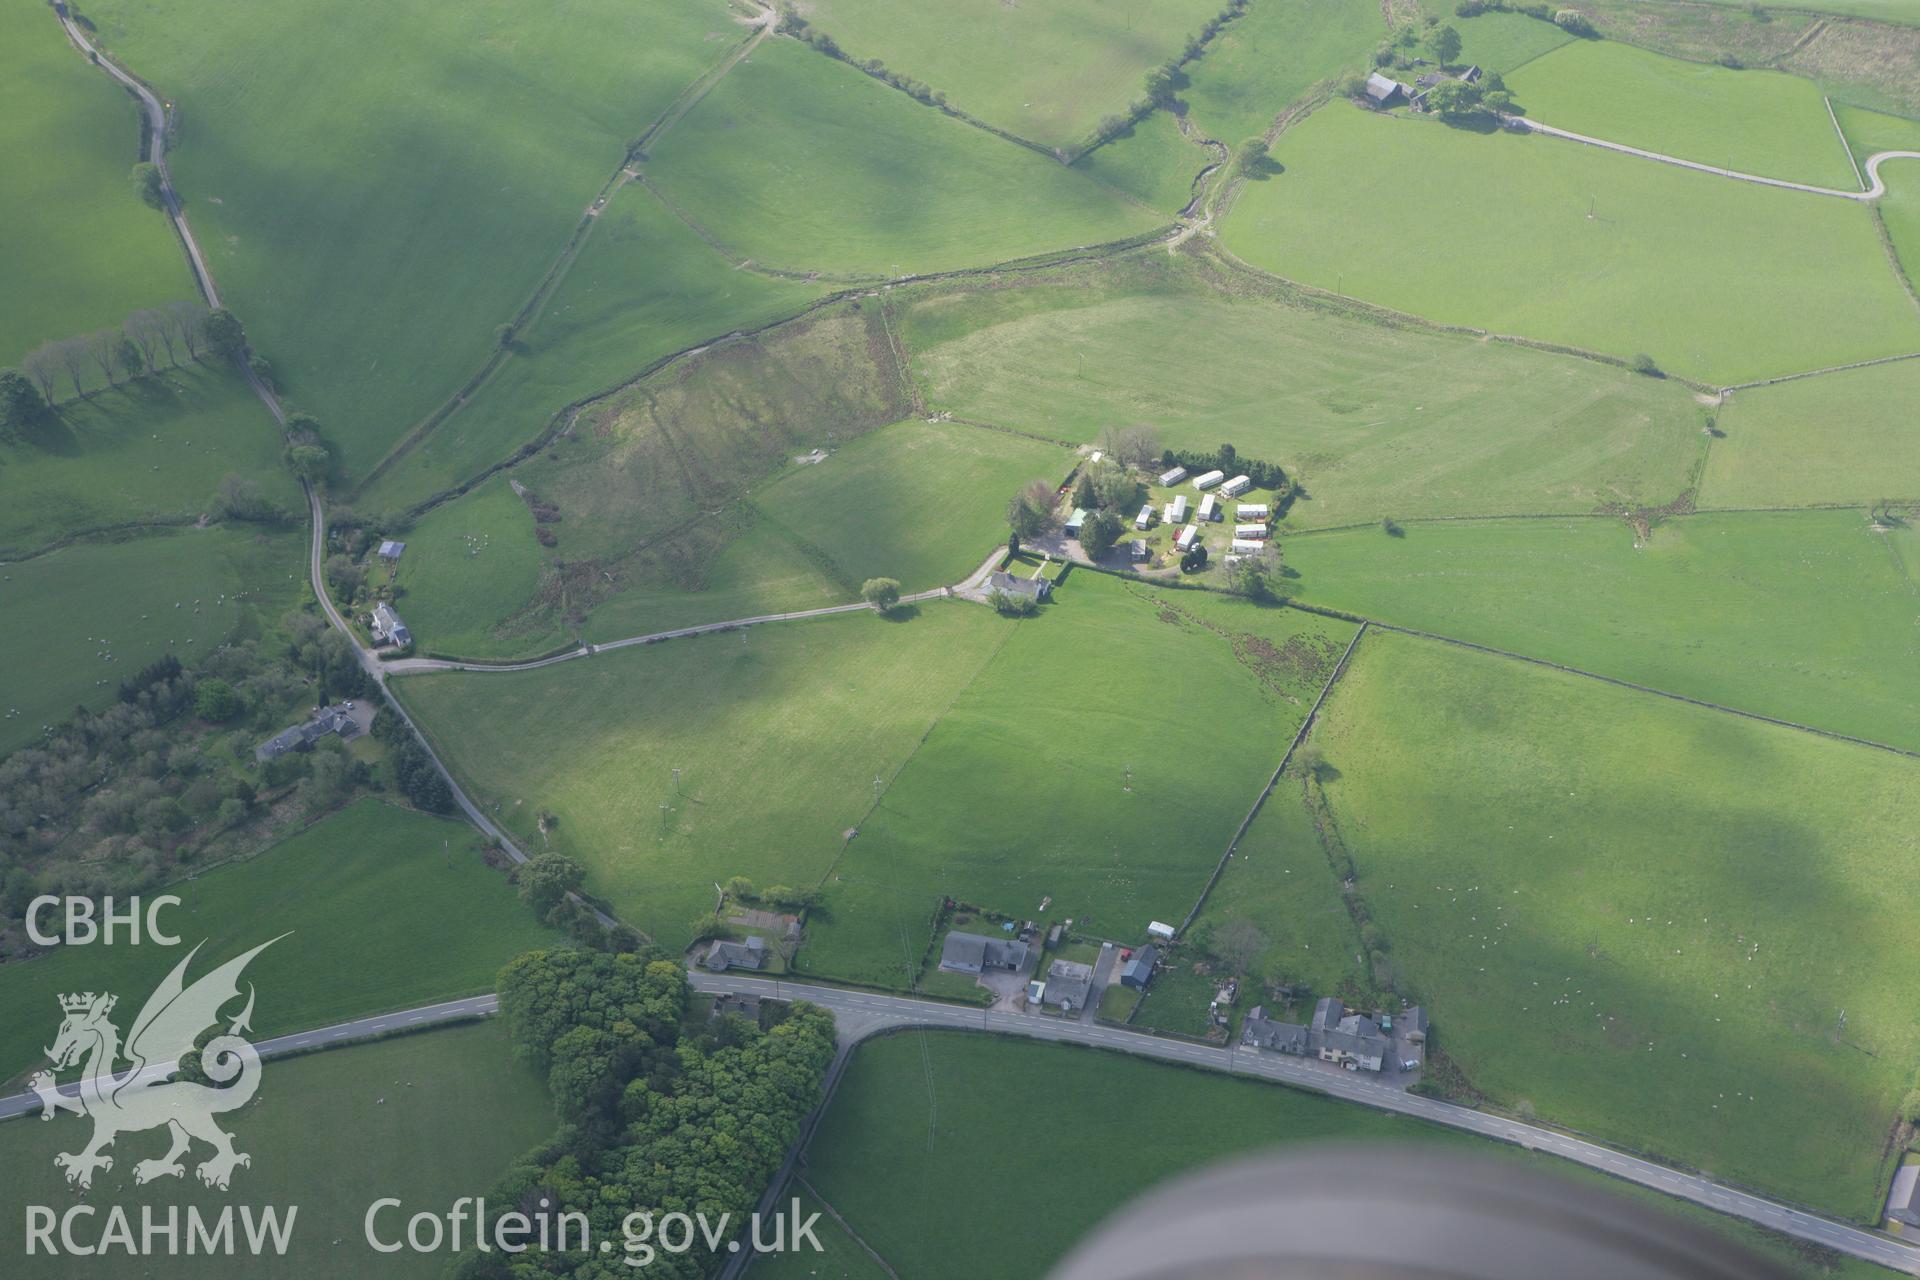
(1035, 589)
(976, 953)
(727, 954)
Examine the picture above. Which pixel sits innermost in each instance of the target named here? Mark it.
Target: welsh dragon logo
(144, 1096)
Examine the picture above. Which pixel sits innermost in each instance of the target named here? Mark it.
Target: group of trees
(882, 593)
(145, 342)
(657, 1112)
(1161, 86)
(415, 776)
(306, 452)
(1571, 20)
(1032, 511)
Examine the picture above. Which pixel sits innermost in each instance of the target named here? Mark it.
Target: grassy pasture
(1664, 265)
(801, 162)
(1622, 911)
(1897, 11)
(1503, 41)
(469, 568)
(919, 501)
(344, 161)
(840, 1256)
(82, 250)
(1269, 57)
(76, 622)
(378, 918)
(644, 287)
(1872, 131)
(1373, 420)
(1764, 122)
(153, 450)
(1045, 72)
(651, 486)
(1151, 162)
(1806, 616)
(426, 1118)
(779, 731)
(1841, 437)
(977, 817)
(1280, 882)
(914, 1149)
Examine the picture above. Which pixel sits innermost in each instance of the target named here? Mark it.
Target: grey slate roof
(1327, 1013)
(1267, 1033)
(727, 954)
(1032, 588)
(1903, 1202)
(1139, 970)
(302, 736)
(1069, 984)
(975, 952)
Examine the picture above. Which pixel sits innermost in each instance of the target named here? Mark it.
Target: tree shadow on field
(902, 613)
(49, 433)
(1262, 169)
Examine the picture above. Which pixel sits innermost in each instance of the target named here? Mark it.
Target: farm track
(1877, 188)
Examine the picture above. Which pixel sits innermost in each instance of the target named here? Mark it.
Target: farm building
(1209, 480)
(1209, 510)
(1035, 589)
(1076, 522)
(1145, 518)
(1137, 551)
(1903, 1202)
(1139, 970)
(1262, 1032)
(1068, 985)
(1257, 532)
(1235, 486)
(1251, 511)
(725, 954)
(1245, 546)
(1187, 538)
(390, 551)
(1384, 92)
(976, 953)
(1176, 510)
(1417, 95)
(1156, 929)
(1353, 1041)
(1413, 1025)
(1172, 477)
(387, 627)
(301, 737)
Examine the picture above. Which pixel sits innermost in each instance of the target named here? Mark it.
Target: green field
(1764, 122)
(1591, 248)
(349, 163)
(916, 501)
(1372, 420)
(840, 1257)
(1899, 11)
(1046, 72)
(916, 1148)
(1841, 437)
(469, 569)
(778, 730)
(1503, 41)
(1142, 785)
(1869, 132)
(690, 497)
(800, 162)
(922, 502)
(76, 622)
(376, 919)
(1622, 911)
(82, 250)
(153, 450)
(644, 287)
(1805, 616)
(433, 1117)
(1280, 882)
(1151, 162)
(1269, 57)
